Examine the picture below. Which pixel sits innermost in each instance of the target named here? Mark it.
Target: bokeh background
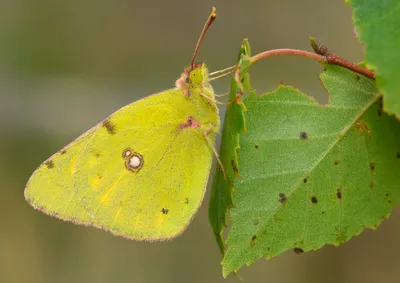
(65, 65)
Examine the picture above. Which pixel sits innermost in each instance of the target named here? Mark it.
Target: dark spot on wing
(109, 126)
(282, 197)
(186, 200)
(303, 136)
(314, 199)
(96, 154)
(134, 161)
(339, 193)
(298, 250)
(50, 164)
(190, 123)
(127, 152)
(165, 210)
(372, 166)
(63, 151)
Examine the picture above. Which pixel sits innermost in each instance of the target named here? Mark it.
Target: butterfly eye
(196, 76)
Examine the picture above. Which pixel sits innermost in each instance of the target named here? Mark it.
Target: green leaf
(221, 190)
(312, 174)
(378, 25)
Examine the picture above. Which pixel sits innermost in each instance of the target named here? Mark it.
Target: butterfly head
(193, 78)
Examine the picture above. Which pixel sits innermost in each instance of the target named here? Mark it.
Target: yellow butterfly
(142, 172)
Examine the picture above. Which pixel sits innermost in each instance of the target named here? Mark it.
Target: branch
(322, 55)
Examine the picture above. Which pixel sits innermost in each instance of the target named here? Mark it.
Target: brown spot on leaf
(253, 239)
(50, 164)
(256, 146)
(110, 127)
(303, 136)
(282, 197)
(298, 250)
(372, 166)
(398, 155)
(371, 184)
(337, 162)
(239, 92)
(339, 193)
(314, 199)
(234, 168)
(357, 77)
(380, 112)
(361, 127)
(305, 180)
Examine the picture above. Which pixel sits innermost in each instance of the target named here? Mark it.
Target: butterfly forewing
(138, 173)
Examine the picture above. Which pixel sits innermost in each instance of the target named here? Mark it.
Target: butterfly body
(142, 172)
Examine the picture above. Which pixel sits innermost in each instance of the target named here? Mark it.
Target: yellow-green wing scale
(141, 173)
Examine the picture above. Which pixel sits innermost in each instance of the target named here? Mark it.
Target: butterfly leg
(211, 129)
(205, 131)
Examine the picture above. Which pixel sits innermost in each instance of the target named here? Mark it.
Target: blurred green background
(65, 65)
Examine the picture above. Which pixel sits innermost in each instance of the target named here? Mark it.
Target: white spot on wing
(134, 161)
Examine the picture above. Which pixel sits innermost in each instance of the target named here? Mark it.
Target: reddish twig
(333, 59)
(322, 55)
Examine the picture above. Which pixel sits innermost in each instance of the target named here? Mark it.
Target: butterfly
(142, 172)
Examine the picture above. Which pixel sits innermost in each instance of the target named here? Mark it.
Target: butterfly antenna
(227, 70)
(208, 23)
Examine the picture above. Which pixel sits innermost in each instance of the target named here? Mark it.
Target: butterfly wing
(138, 173)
